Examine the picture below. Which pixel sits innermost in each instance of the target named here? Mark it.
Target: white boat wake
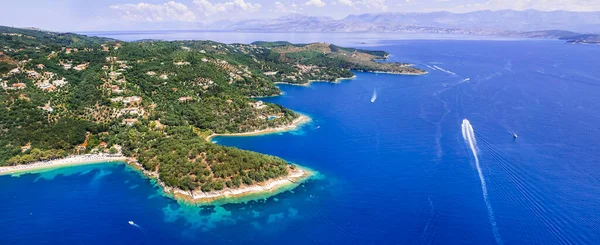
(374, 97)
(465, 81)
(469, 136)
(446, 71)
(428, 66)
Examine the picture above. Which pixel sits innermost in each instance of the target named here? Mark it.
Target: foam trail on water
(135, 225)
(446, 71)
(465, 80)
(374, 97)
(469, 136)
(431, 68)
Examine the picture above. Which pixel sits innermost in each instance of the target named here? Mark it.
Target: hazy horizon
(119, 15)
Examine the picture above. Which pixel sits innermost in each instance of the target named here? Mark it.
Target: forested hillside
(156, 101)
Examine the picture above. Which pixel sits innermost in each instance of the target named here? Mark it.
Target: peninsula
(68, 99)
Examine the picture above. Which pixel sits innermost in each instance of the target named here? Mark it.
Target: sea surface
(404, 169)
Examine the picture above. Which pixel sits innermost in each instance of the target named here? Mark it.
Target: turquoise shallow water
(396, 171)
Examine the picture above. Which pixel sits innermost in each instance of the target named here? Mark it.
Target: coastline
(398, 73)
(69, 161)
(237, 195)
(243, 194)
(301, 120)
(337, 80)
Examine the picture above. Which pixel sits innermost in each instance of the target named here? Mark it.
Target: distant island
(583, 39)
(69, 99)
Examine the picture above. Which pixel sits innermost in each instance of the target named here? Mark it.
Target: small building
(81, 67)
(116, 89)
(46, 86)
(19, 86)
(32, 74)
(130, 122)
(59, 83)
(181, 63)
(131, 110)
(132, 100)
(26, 147)
(164, 77)
(114, 75)
(47, 107)
(258, 105)
(185, 99)
(116, 99)
(15, 71)
(41, 66)
(150, 73)
(270, 73)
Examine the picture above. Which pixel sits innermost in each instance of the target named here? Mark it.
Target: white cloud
(371, 5)
(316, 3)
(209, 8)
(281, 8)
(346, 2)
(169, 11)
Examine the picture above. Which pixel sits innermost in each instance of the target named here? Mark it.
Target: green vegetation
(327, 62)
(64, 94)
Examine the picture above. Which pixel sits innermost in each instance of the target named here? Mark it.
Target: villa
(130, 122)
(132, 100)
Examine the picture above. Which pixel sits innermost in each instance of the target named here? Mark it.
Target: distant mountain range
(527, 23)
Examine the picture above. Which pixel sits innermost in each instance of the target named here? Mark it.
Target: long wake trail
(469, 136)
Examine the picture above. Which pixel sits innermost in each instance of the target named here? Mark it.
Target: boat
(515, 135)
(131, 223)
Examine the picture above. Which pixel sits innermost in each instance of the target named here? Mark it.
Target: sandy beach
(302, 119)
(62, 162)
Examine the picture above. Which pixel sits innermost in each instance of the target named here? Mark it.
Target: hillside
(323, 61)
(484, 23)
(156, 101)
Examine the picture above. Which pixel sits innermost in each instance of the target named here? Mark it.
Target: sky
(85, 15)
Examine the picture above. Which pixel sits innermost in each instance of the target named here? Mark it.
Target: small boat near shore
(515, 136)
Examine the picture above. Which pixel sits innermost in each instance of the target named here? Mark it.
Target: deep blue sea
(394, 171)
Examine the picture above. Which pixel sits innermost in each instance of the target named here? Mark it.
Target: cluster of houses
(106, 47)
(301, 70)
(68, 64)
(204, 83)
(14, 86)
(258, 104)
(162, 76)
(43, 80)
(115, 80)
(235, 73)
